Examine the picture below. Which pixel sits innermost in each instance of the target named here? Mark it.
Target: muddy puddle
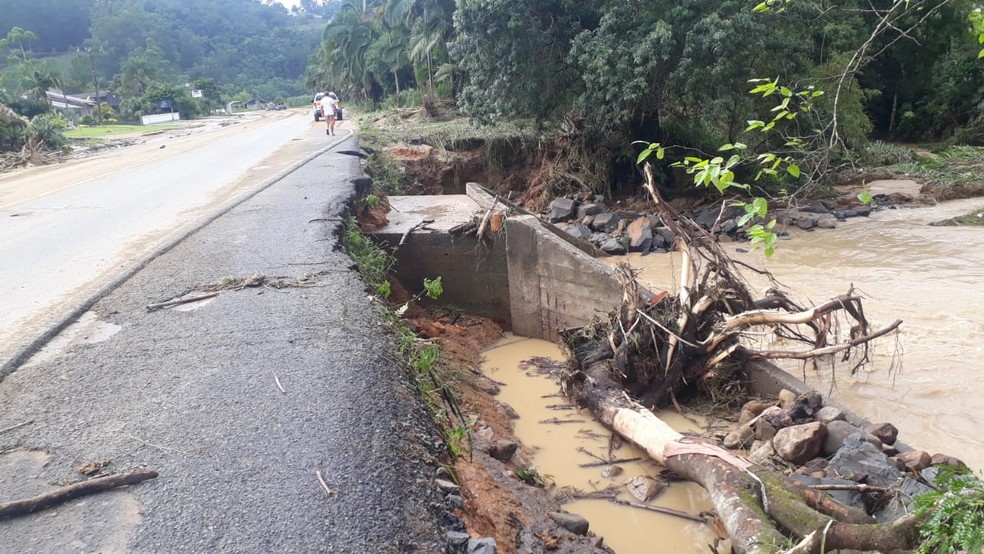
(562, 448)
(88, 329)
(930, 277)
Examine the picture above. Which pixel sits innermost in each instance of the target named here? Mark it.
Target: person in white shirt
(328, 104)
(328, 112)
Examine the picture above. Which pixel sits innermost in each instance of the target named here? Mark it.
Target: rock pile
(816, 445)
(616, 232)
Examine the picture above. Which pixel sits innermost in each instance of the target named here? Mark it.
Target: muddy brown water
(930, 277)
(627, 530)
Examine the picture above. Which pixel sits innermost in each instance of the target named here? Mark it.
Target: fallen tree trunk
(657, 348)
(756, 506)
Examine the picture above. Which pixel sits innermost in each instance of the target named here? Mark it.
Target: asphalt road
(193, 393)
(67, 229)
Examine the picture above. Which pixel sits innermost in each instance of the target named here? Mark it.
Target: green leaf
(726, 147)
(793, 170)
(660, 152)
(761, 7)
(643, 155)
(865, 197)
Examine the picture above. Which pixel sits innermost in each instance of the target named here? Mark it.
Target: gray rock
(845, 214)
(509, 411)
(901, 504)
(443, 473)
(828, 414)
(800, 443)
(886, 432)
(605, 222)
(706, 217)
(612, 246)
(457, 538)
(586, 220)
(858, 458)
(640, 235)
(447, 486)
(806, 223)
(837, 433)
(729, 226)
(561, 209)
(863, 211)
(578, 231)
(589, 209)
(817, 207)
(502, 450)
(668, 237)
(481, 546)
(572, 522)
(599, 238)
(826, 224)
(456, 501)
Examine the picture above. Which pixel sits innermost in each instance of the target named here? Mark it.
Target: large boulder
(640, 235)
(800, 443)
(605, 222)
(886, 432)
(562, 209)
(858, 459)
(837, 433)
(572, 522)
(613, 247)
(589, 209)
(578, 231)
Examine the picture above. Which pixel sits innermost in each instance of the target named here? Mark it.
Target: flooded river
(930, 277)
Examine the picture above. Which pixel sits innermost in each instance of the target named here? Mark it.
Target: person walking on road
(329, 103)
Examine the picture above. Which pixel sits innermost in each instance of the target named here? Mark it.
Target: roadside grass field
(103, 131)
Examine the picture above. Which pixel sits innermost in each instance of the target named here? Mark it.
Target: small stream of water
(930, 277)
(625, 529)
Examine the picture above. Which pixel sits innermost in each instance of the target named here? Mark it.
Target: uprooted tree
(656, 347)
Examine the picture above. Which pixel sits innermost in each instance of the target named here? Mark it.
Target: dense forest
(677, 72)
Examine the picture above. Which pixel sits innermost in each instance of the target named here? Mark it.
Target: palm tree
(348, 37)
(38, 79)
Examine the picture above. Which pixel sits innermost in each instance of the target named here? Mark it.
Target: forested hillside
(837, 73)
(243, 45)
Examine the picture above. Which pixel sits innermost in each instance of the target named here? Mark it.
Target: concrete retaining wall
(552, 284)
(474, 275)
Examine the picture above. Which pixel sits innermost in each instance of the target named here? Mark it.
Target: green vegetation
(953, 172)
(954, 513)
(611, 72)
(103, 131)
(531, 476)
(428, 372)
(973, 219)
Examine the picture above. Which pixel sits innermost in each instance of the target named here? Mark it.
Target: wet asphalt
(194, 396)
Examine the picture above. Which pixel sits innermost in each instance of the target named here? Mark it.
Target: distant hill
(242, 42)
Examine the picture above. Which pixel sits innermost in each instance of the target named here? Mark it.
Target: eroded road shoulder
(238, 403)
